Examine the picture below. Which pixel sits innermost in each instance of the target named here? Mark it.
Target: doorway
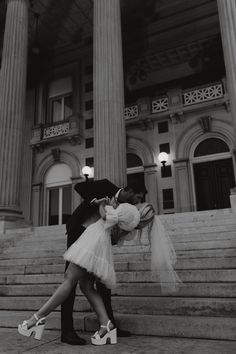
(213, 180)
(58, 195)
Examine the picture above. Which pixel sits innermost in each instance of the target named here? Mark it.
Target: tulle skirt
(93, 251)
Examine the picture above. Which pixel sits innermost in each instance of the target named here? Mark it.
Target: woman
(90, 257)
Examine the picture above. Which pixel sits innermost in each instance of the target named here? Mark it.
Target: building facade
(111, 84)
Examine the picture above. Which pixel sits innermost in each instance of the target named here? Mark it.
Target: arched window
(135, 171)
(58, 194)
(133, 160)
(211, 146)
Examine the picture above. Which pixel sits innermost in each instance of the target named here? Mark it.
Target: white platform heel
(37, 329)
(109, 337)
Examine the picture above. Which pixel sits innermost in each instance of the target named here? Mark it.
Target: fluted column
(12, 103)
(109, 126)
(227, 16)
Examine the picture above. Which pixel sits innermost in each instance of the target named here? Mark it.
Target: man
(85, 214)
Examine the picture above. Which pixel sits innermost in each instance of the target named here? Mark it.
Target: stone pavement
(13, 343)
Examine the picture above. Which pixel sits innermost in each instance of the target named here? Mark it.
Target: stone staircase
(31, 266)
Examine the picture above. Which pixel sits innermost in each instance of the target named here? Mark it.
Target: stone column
(150, 175)
(183, 186)
(12, 104)
(36, 202)
(227, 16)
(109, 125)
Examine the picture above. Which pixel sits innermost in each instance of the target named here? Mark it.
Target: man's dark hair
(136, 187)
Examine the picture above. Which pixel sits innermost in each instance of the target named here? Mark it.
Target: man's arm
(96, 189)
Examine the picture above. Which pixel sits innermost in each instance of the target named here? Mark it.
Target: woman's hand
(104, 200)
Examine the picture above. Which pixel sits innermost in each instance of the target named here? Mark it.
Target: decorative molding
(177, 117)
(131, 112)
(227, 105)
(56, 154)
(55, 130)
(205, 123)
(146, 124)
(160, 104)
(203, 94)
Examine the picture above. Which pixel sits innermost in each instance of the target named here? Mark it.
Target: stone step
(32, 261)
(137, 305)
(120, 253)
(130, 289)
(225, 275)
(198, 215)
(164, 326)
(202, 223)
(213, 275)
(200, 263)
(178, 240)
(127, 248)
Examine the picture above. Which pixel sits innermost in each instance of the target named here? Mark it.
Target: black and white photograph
(118, 176)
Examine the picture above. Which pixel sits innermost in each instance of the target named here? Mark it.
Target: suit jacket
(88, 191)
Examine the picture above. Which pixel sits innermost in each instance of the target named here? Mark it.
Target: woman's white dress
(93, 249)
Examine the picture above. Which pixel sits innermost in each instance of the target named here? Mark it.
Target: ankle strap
(107, 326)
(39, 320)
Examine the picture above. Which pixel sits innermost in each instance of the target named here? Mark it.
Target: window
(166, 171)
(59, 200)
(88, 143)
(60, 108)
(163, 127)
(58, 194)
(165, 148)
(211, 146)
(89, 105)
(89, 161)
(60, 100)
(168, 198)
(133, 160)
(89, 123)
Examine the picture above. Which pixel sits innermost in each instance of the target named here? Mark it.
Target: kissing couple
(107, 212)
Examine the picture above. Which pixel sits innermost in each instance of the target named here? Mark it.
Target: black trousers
(67, 306)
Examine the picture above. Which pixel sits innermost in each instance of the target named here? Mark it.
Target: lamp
(86, 170)
(163, 157)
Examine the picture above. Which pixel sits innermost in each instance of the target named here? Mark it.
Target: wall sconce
(86, 170)
(163, 157)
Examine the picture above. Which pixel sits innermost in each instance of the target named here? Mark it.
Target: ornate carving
(160, 104)
(205, 123)
(131, 112)
(203, 94)
(177, 117)
(74, 140)
(56, 154)
(56, 130)
(227, 105)
(146, 124)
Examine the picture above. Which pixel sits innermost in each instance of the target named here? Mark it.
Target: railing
(56, 130)
(189, 97)
(203, 94)
(160, 104)
(131, 112)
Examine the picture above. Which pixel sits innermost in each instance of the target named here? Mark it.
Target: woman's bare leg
(94, 298)
(72, 275)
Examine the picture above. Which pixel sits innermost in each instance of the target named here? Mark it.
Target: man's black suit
(74, 227)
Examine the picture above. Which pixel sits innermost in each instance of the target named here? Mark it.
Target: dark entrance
(213, 181)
